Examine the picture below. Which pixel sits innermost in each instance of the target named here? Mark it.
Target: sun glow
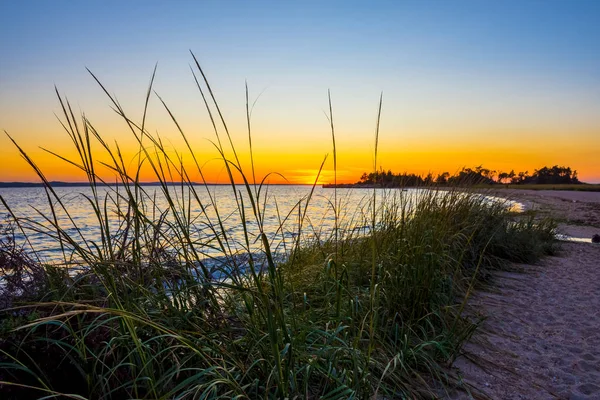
(448, 101)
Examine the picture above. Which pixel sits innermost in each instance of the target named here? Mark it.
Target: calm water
(281, 207)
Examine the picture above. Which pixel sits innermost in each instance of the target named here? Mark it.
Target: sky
(504, 84)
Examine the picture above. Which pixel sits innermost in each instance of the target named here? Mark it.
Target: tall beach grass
(344, 315)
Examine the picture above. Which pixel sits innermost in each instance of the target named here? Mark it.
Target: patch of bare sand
(572, 209)
(541, 338)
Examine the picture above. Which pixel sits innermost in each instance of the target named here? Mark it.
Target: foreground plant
(151, 312)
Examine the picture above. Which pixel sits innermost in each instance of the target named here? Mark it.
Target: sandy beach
(541, 337)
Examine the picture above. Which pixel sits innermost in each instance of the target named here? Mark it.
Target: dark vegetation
(556, 175)
(346, 315)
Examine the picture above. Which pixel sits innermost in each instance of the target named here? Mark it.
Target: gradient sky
(506, 84)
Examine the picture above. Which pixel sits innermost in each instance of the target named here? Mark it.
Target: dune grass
(344, 315)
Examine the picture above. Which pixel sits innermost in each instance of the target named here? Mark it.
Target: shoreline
(481, 220)
(540, 338)
(577, 212)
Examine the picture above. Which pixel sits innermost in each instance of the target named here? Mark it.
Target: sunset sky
(506, 84)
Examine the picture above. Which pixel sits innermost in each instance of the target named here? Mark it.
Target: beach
(540, 338)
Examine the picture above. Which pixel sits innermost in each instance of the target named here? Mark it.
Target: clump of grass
(344, 315)
(21, 277)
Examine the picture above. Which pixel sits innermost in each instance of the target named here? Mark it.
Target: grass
(345, 315)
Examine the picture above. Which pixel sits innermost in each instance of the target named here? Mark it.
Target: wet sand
(541, 338)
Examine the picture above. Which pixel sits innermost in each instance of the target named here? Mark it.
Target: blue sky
(474, 73)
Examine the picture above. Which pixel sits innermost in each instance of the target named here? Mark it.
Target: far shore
(583, 187)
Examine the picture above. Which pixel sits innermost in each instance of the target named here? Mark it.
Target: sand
(541, 338)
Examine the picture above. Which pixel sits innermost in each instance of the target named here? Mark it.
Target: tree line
(472, 176)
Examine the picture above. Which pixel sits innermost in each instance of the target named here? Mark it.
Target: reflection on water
(281, 209)
(567, 238)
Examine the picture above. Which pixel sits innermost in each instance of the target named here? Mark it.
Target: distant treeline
(469, 176)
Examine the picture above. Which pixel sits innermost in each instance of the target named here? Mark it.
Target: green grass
(345, 316)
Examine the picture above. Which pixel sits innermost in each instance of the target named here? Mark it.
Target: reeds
(344, 315)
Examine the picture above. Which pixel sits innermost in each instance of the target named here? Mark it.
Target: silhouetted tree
(467, 176)
(428, 179)
(554, 175)
(442, 178)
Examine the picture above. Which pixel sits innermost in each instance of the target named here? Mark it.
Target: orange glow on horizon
(285, 168)
(448, 100)
(294, 158)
